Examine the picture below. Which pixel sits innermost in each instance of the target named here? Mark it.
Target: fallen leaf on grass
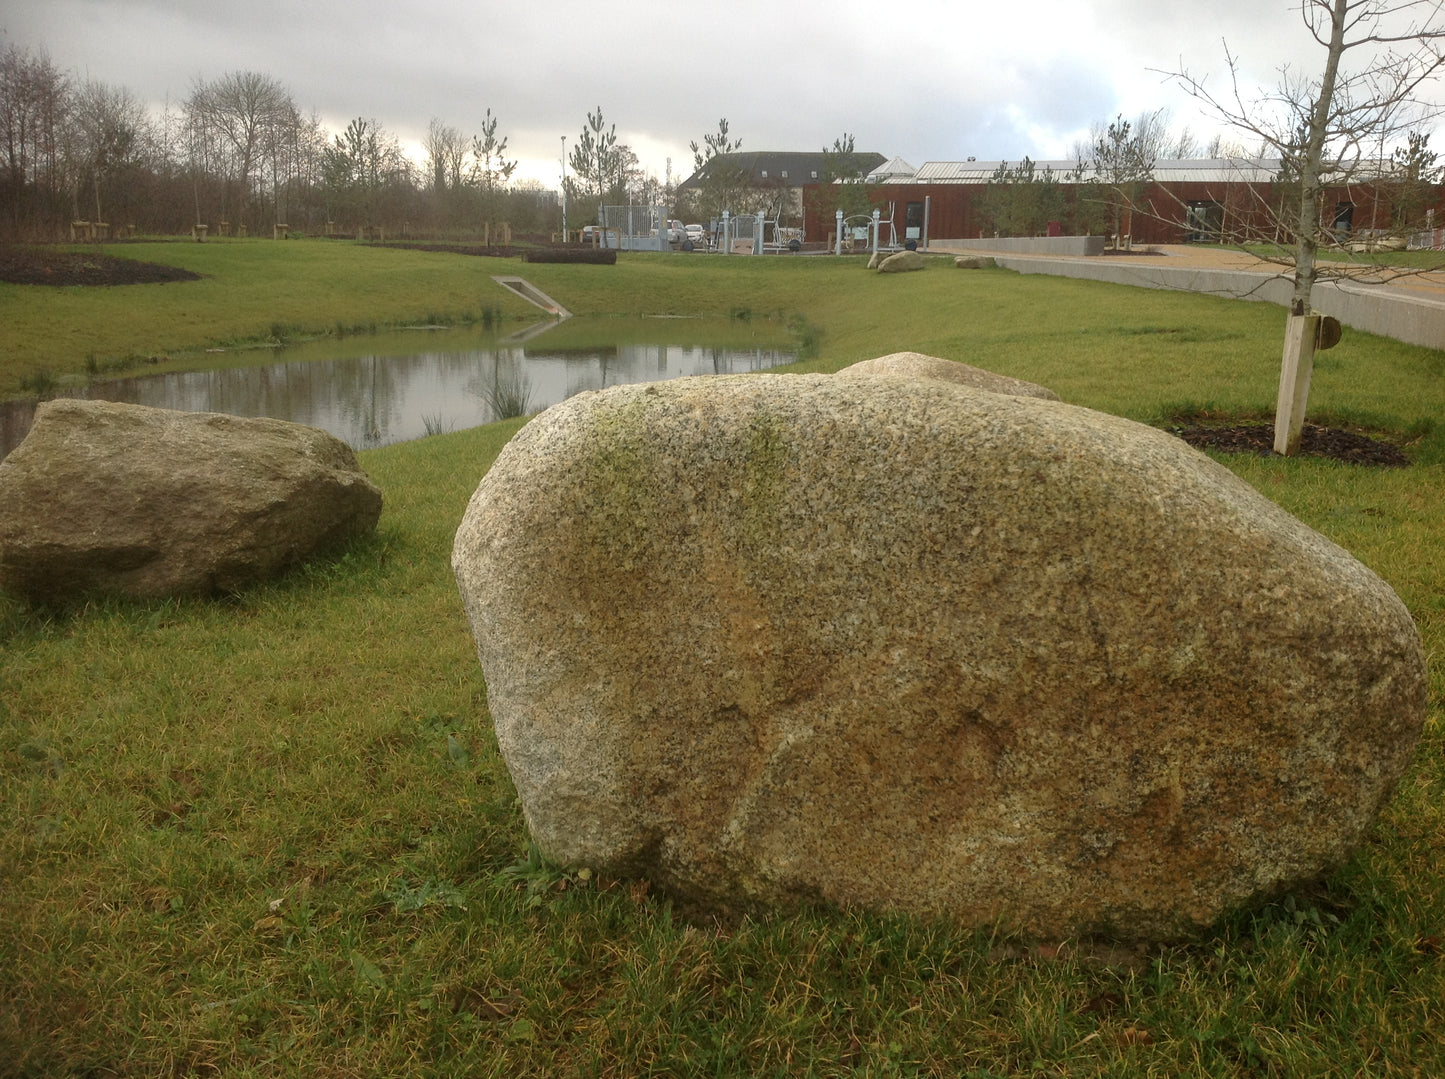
(367, 971)
(1133, 1036)
(480, 1005)
(457, 751)
(523, 1030)
(1103, 1004)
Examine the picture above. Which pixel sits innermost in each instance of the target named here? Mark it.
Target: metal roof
(785, 169)
(1199, 170)
(895, 168)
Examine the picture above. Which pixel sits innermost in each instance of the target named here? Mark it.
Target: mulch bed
(596, 256)
(554, 253)
(34, 266)
(1332, 442)
(479, 250)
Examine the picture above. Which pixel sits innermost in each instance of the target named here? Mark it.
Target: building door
(1203, 222)
(1344, 218)
(913, 221)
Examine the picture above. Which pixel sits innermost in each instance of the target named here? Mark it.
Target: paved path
(1410, 307)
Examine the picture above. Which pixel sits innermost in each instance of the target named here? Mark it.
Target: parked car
(592, 234)
(697, 234)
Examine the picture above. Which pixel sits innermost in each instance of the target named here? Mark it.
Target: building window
(815, 174)
(765, 174)
(785, 174)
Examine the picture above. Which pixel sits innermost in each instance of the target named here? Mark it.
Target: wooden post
(1294, 382)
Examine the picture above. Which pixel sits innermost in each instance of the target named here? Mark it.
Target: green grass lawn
(271, 835)
(1389, 261)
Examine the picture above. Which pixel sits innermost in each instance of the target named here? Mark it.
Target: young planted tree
(1121, 163)
(595, 160)
(1414, 182)
(1376, 56)
(841, 182)
(490, 168)
(357, 166)
(1020, 200)
(721, 183)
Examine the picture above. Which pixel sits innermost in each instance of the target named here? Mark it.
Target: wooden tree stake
(1294, 382)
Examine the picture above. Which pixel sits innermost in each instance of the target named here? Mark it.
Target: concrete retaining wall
(1389, 312)
(1033, 245)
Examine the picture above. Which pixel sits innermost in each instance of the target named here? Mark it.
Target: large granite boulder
(898, 643)
(147, 502)
(921, 365)
(902, 262)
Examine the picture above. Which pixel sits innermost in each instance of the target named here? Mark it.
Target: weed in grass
(808, 337)
(509, 394)
(41, 383)
(436, 424)
(539, 876)
(430, 893)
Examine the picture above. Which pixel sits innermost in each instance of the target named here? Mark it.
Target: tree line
(237, 153)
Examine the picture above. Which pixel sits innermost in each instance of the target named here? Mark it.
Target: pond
(373, 390)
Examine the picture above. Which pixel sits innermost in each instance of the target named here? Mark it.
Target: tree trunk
(1295, 369)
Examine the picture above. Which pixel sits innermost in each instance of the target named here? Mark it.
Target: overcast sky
(927, 80)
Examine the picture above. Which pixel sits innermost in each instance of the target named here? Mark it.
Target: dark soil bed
(1331, 442)
(553, 253)
(34, 266)
(480, 250)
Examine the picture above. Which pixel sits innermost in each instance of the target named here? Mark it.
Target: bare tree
(1377, 55)
(34, 107)
(446, 152)
(239, 111)
(108, 135)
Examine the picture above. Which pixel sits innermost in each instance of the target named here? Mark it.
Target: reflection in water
(375, 400)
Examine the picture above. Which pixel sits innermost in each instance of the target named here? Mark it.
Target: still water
(405, 386)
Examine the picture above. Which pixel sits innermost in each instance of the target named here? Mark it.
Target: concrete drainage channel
(532, 294)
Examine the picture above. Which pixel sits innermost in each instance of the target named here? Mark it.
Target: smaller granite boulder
(902, 262)
(918, 365)
(147, 502)
(974, 262)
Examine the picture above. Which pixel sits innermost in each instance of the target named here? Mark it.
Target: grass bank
(271, 834)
